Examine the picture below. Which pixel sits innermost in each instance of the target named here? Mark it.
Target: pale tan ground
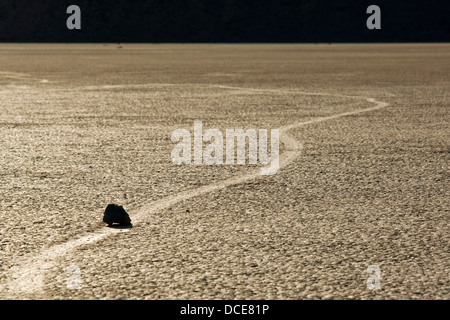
(85, 125)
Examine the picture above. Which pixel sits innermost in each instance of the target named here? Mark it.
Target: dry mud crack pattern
(29, 276)
(361, 182)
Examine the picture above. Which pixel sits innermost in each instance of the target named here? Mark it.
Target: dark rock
(116, 214)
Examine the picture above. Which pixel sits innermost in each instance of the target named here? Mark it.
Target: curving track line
(27, 278)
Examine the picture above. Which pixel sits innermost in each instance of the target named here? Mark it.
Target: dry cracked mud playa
(363, 179)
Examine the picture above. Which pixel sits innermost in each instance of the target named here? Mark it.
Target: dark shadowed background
(224, 21)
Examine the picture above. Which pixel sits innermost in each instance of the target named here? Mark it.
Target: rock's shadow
(119, 226)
